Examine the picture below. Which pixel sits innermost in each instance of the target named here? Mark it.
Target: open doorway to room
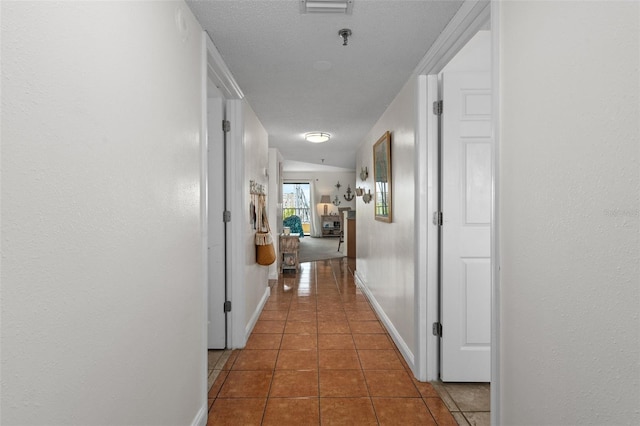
(296, 212)
(465, 204)
(300, 213)
(464, 111)
(458, 132)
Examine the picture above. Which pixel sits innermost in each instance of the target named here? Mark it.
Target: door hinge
(227, 306)
(437, 218)
(437, 329)
(226, 126)
(226, 216)
(437, 108)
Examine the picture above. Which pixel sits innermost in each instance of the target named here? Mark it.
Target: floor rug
(312, 249)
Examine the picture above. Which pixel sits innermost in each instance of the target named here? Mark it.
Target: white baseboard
(398, 340)
(201, 416)
(256, 314)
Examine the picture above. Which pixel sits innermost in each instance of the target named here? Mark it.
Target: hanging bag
(265, 251)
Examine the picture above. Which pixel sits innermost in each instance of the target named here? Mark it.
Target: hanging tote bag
(265, 252)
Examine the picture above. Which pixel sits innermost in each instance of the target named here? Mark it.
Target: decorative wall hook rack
(348, 196)
(336, 202)
(256, 188)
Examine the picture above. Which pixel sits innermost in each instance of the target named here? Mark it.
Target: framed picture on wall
(382, 178)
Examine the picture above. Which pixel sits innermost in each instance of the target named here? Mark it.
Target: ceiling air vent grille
(326, 6)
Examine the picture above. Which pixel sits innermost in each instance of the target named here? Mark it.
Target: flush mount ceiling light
(326, 6)
(317, 137)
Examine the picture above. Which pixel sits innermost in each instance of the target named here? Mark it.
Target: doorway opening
(296, 198)
(216, 227)
(434, 327)
(465, 148)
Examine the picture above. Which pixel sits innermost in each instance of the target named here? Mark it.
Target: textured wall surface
(385, 250)
(102, 313)
(256, 161)
(569, 208)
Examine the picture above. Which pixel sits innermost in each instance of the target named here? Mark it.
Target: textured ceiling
(273, 51)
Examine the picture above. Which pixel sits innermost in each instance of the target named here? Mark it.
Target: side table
(289, 245)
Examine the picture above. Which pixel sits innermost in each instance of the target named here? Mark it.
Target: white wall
(325, 185)
(569, 213)
(256, 161)
(102, 286)
(385, 251)
(474, 56)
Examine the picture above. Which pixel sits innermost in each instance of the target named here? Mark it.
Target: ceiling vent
(326, 6)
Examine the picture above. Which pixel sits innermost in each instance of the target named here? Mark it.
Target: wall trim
(201, 416)
(421, 209)
(256, 314)
(236, 236)
(496, 302)
(427, 256)
(393, 332)
(204, 212)
(468, 20)
(219, 72)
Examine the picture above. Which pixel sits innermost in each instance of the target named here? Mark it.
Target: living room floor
(319, 355)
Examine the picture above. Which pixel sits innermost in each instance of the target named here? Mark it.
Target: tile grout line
(366, 382)
(315, 276)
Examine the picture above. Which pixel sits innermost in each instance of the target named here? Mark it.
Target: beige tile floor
(469, 403)
(319, 355)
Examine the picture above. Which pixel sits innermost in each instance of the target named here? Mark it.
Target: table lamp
(325, 199)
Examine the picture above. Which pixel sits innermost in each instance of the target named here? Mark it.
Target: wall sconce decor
(367, 197)
(336, 202)
(348, 196)
(325, 199)
(359, 192)
(364, 173)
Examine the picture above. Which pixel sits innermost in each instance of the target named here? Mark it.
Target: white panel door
(466, 233)
(216, 317)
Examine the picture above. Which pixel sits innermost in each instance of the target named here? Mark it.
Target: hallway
(318, 355)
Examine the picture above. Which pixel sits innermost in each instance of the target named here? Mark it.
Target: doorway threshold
(469, 403)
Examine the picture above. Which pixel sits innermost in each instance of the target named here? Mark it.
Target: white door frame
(218, 72)
(214, 68)
(470, 18)
(216, 227)
(204, 221)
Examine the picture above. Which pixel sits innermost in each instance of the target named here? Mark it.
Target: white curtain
(316, 228)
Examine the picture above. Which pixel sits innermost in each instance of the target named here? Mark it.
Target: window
(296, 197)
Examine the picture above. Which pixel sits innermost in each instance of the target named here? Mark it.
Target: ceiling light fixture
(326, 6)
(317, 137)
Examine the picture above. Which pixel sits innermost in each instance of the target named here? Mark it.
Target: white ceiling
(279, 57)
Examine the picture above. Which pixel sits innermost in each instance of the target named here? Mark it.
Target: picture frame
(382, 178)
